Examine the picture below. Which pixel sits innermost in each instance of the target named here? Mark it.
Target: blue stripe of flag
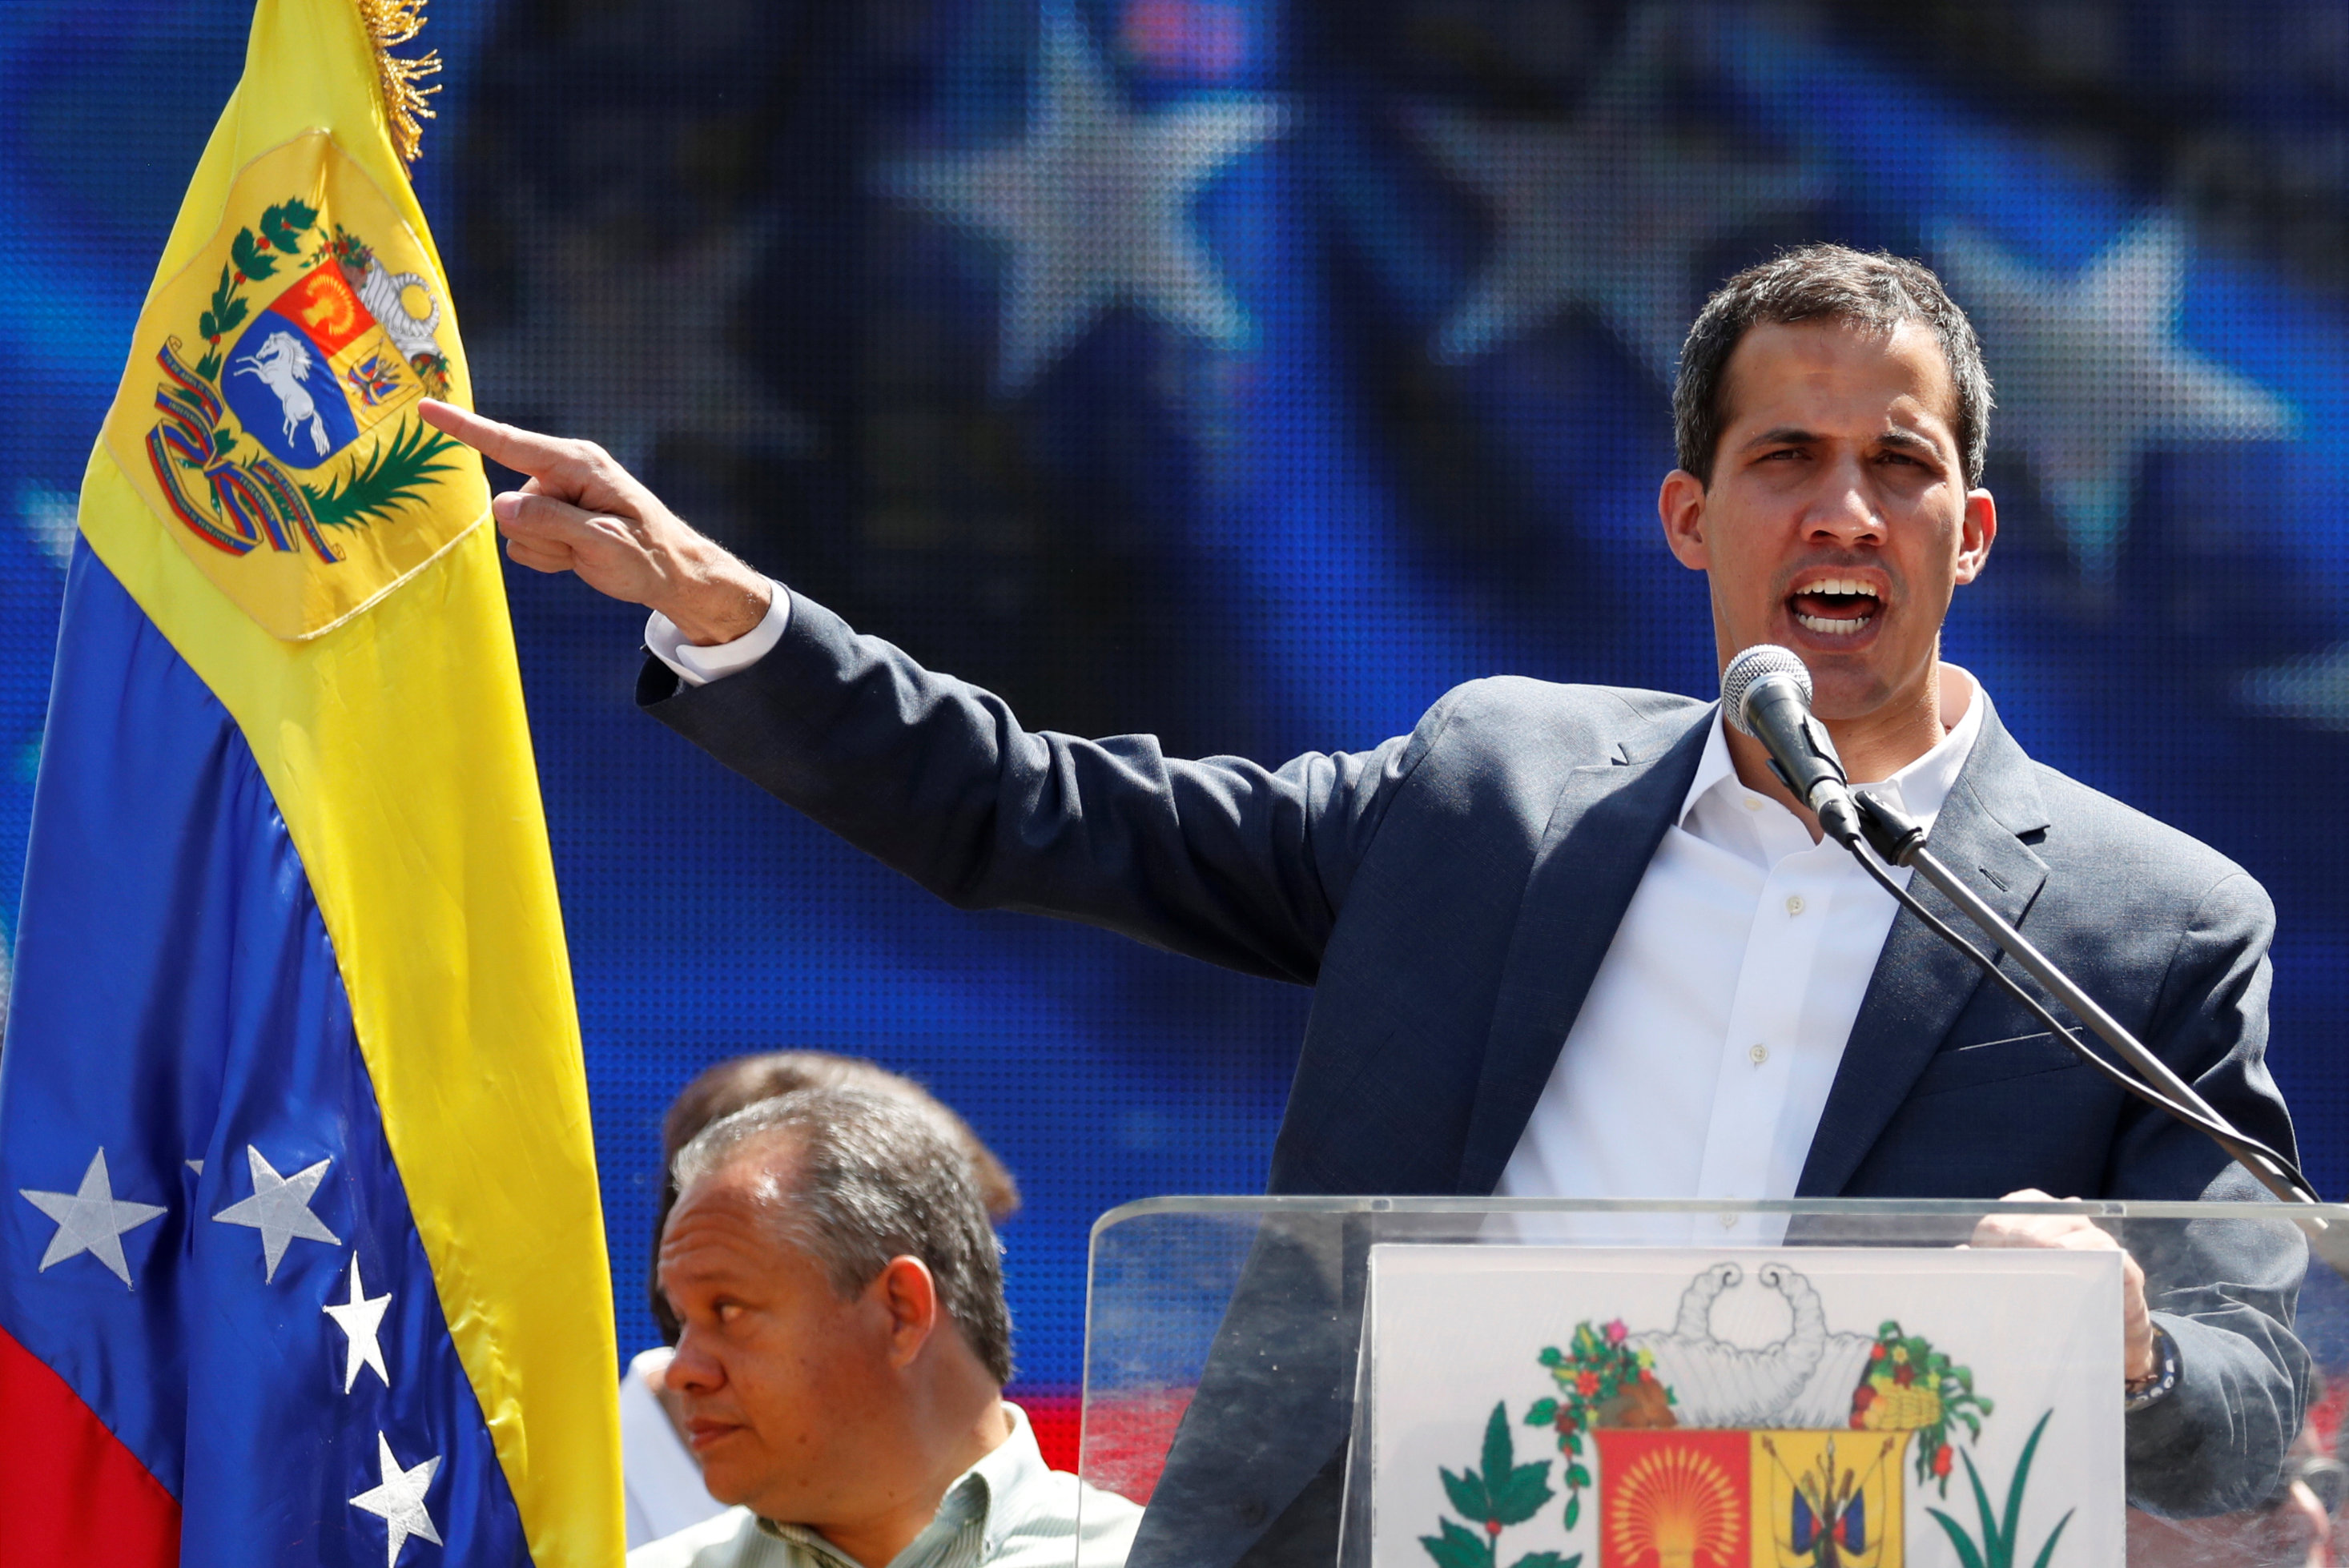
(178, 1000)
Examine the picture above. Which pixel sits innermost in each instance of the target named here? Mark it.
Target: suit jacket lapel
(1921, 985)
(1603, 832)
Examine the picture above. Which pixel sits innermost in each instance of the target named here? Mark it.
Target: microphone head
(1748, 668)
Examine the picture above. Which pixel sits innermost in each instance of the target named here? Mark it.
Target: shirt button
(1760, 1054)
(1729, 1221)
(1795, 903)
(1754, 802)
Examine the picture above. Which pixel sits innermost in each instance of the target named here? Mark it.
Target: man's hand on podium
(583, 512)
(2076, 1232)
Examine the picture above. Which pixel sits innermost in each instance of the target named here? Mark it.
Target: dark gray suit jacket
(1450, 894)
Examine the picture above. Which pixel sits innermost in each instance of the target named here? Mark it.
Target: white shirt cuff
(701, 665)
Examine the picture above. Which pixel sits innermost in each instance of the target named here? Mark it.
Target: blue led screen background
(1250, 373)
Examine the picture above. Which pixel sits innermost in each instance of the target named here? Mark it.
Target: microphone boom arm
(1899, 840)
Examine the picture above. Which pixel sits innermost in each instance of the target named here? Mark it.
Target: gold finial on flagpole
(391, 23)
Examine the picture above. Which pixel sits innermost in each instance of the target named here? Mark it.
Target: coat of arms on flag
(1741, 1422)
(274, 427)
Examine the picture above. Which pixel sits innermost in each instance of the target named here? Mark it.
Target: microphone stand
(1899, 840)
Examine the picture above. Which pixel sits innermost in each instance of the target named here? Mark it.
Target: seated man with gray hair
(844, 1349)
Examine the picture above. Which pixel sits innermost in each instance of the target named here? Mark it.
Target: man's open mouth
(1836, 606)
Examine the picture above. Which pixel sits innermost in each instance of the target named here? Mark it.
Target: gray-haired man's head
(856, 1178)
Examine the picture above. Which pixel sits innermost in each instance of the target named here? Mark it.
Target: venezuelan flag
(301, 1259)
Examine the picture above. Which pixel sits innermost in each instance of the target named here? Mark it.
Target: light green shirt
(1008, 1511)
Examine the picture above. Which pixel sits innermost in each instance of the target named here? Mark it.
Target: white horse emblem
(282, 363)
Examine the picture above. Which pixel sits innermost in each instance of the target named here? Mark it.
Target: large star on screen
(1093, 205)
(2091, 375)
(636, 350)
(279, 1209)
(398, 1500)
(90, 1220)
(1608, 212)
(2312, 688)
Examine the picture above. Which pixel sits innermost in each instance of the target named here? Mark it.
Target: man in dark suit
(1549, 901)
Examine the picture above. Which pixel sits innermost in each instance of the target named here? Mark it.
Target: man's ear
(1977, 530)
(1680, 505)
(910, 1295)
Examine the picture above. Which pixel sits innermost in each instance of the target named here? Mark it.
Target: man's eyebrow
(1784, 436)
(1890, 436)
(1899, 436)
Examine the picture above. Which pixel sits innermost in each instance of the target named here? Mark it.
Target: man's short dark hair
(872, 1176)
(1824, 283)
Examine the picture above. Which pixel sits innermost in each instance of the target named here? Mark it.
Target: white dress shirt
(1701, 1060)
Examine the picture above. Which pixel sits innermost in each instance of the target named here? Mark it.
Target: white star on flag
(361, 1320)
(279, 1209)
(2091, 375)
(399, 1501)
(90, 1220)
(1095, 204)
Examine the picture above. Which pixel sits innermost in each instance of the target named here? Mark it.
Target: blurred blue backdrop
(1250, 373)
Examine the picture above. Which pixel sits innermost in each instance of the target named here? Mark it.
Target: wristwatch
(2155, 1384)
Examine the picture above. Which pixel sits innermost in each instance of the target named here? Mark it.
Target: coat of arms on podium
(276, 435)
(1741, 1422)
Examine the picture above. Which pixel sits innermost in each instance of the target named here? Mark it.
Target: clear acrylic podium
(1231, 1389)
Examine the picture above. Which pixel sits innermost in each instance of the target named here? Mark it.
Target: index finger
(525, 451)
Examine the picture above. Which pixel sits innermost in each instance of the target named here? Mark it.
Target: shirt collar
(1919, 788)
(1007, 1483)
(995, 1491)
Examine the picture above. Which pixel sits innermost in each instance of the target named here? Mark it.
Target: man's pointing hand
(582, 513)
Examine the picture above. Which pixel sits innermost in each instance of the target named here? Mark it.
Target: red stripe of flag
(69, 1491)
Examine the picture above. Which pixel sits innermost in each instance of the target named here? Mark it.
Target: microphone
(1766, 693)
